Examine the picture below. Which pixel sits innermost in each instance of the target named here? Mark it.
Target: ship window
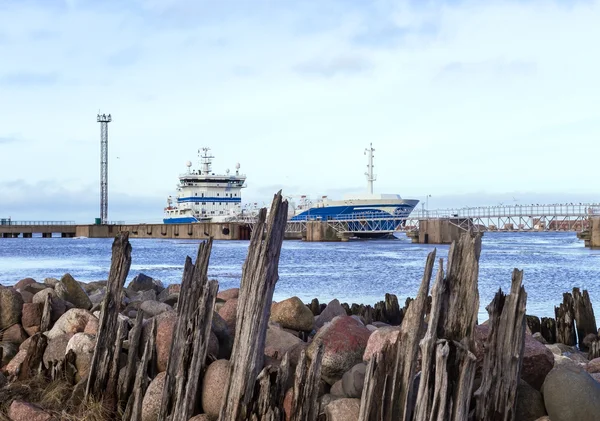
(204, 203)
(197, 203)
(202, 194)
(217, 194)
(195, 194)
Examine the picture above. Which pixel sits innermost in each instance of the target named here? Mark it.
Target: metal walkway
(554, 217)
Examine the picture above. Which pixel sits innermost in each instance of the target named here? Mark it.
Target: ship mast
(205, 161)
(370, 176)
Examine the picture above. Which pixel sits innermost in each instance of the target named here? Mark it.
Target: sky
(470, 102)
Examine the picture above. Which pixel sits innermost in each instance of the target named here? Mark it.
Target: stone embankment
(557, 380)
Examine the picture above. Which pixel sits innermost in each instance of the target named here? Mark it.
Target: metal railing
(8, 222)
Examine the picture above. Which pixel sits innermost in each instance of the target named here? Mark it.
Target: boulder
(201, 417)
(170, 295)
(69, 290)
(140, 296)
(11, 304)
(229, 312)
(293, 314)
(23, 411)
(73, 321)
(97, 297)
(593, 366)
(538, 337)
(23, 283)
(278, 342)
(143, 283)
(34, 288)
(333, 309)
(213, 387)
(154, 308)
(577, 356)
(51, 282)
(228, 294)
(164, 337)
(345, 341)
(13, 367)
(26, 296)
(94, 286)
(225, 337)
(152, 398)
(589, 339)
(379, 339)
(571, 394)
(32, 314)
(83, 346)
(3, 380)
(337, 390)
(59, 306)
(31, 330)
(56, 349)
(530, 403)
(91, 328)
(8, 351)
(353, 381)
(346, 409)
(14, 334)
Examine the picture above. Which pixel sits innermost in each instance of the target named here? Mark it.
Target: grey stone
(11, 305)
(530, 403)
(56, 349)
(538, 337)
(140, 296)
(69, 290)
(333, 309)
(337, 389)
(143, 283)
(154, 308)
(353, 381)
(9, 350)
(346, 409)
(571, 394)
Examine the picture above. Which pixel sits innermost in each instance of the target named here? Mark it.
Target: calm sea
(356, 271)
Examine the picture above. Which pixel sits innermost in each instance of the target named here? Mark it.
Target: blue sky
(472, 102)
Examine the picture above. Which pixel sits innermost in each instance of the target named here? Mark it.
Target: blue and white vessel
(387, 207)
(203, 196)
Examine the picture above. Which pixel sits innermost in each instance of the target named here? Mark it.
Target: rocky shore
(558, 382)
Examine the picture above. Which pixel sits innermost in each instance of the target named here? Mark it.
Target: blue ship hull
(349, 212)
(183, 220)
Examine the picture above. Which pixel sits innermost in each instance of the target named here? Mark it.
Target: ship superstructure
(369, 205)
(203, 196)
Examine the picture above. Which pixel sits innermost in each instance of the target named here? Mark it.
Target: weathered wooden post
(497, 395)
(584, 316)
(102, 371)
(259, 276)
(565, 321)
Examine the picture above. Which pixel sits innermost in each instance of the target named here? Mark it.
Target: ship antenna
(206, 161)
(370, 176)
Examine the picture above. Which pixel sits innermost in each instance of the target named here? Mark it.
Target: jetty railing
(10, 222)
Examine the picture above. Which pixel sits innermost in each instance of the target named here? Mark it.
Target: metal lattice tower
(104, 119)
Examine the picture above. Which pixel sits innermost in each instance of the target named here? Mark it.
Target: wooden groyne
(190, 353)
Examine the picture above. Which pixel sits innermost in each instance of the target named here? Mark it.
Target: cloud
(341, 65)
(8, 139)
(497, 67)
(27, 79)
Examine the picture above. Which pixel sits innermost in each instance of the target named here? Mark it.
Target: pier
(422, 226)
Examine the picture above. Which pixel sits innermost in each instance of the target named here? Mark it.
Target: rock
(91, 328)
(154, 308)
(31, 330)
(51, 282)
(59, 306)
(69, 290)
(26, 296)
(595, 376)
(371, 328)
(170, 295)
(201, 417)
(14, 334)
(345, 342)
(560, 349)
(530, 403)
(571, 394)
(229, 312)
(25, 344)
(537, 358)
(11, 305)
(3, 380)
(213, 387)
(293, 314)
(278, 342)
(143, 283)
(295, 352)
(333, 309)
(225, 337)
(337, 390)
(23, 283)
(7, 352)
(543, 419)
(92, 287)
(13, 367)
(152, 398)
(593, 366)
(23, 411)
(73, 321)
(31, 314)
(229, 294)
(164, 337)
(589, 339)
(97, 297)
(379, 338)
(140, 296)
(353, 381)
(34, 288)
(577, 356)
(359, 319)
(83, 346)
(346, 409)
(56, 349)
(538, 337)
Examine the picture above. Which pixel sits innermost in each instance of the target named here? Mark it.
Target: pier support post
(27, 235)
(46, 235)
(317, 231)
(591, 236)
(438, 231)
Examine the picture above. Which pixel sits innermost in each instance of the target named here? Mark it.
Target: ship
(388, 209)
(203, 196)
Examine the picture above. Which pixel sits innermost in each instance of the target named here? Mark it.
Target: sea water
(360, 271)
